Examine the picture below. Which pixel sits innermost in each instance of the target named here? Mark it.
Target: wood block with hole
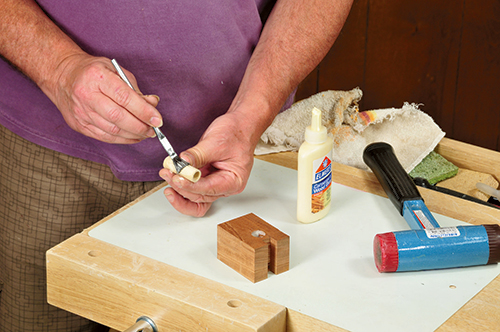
(252, 247)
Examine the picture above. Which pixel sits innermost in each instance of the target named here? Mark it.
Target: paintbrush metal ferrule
(179, 163)
(165, 143)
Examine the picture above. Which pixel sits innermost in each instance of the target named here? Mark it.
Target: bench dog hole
(94, 253)
(234, 303)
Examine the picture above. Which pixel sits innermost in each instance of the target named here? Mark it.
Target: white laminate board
(332, 274)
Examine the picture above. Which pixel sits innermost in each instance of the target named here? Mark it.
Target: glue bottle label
(321, 183)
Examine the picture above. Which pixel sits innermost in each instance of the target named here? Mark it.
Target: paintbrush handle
(121, 73)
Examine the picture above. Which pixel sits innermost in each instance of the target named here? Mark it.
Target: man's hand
(225, 157)
(296, 37)
(95, 101)
(87, 90)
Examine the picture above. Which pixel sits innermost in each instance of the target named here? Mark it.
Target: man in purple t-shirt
(75, 140)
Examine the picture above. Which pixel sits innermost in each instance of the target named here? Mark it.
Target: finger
(196, 156)
(95, 132)
(123, 95)
(185, 206)
(187, 189)
(198, 192)
(91, 124)
(167, 174)
(222, 181)
(153, 100)
(115, 120)
(192, 191)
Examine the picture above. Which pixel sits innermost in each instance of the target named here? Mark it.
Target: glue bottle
(314, 172)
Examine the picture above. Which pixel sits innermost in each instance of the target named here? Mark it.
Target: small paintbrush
(179, 163)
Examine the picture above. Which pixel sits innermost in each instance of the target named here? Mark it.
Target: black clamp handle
(397, 184)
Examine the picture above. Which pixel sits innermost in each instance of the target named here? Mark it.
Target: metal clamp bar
(144, 324)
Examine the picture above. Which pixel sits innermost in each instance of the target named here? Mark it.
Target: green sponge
(434, 168)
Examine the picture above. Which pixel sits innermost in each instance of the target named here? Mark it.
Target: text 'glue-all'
(314, 172)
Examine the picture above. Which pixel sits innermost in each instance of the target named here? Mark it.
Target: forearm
(296, 37)
(33, 43)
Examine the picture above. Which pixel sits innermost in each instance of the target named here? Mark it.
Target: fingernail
(188, 157)
(169, 197)
(156, 122)
(151, 133)
(163, 175)
(157, 97)
(178, 181)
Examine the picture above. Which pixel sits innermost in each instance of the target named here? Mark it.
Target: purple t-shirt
(190, 53)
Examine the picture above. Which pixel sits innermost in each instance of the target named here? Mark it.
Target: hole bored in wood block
(258, 233)
(252, 247)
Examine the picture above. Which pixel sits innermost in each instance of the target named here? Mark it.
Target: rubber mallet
(427, 246)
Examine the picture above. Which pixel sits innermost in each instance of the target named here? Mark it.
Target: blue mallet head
(426, 246)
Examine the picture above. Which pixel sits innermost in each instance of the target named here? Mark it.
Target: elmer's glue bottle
(314, 172)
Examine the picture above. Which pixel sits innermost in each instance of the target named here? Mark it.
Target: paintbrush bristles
(189, 172)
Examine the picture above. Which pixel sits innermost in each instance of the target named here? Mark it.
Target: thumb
(197, 156)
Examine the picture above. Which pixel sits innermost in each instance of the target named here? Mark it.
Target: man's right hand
(96, 102)
(87, 90)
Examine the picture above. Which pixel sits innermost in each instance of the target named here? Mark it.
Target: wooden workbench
(117, 287)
